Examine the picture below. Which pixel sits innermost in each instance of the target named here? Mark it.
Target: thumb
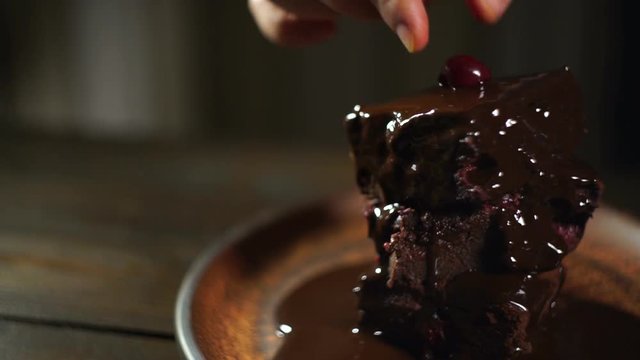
(488, 11)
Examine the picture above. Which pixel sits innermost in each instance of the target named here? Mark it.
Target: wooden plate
(227, 302)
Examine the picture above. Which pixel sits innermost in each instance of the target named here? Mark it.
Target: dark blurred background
(197, 73)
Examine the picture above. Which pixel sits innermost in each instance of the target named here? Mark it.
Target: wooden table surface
(95, 238)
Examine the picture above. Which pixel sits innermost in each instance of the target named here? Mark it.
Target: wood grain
(33, 342)
(101, 234)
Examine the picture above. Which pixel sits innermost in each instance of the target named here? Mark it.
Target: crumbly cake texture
(474, 198)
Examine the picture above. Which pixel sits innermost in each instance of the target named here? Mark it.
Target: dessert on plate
(474, 198)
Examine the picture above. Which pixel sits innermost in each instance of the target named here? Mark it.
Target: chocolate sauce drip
(321, 317)
(467, 186)
(320, 320)
(507, 144)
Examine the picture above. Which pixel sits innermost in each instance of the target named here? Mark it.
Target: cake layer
(475, 197)
(486, 315)
(505, 147)
(423, 251)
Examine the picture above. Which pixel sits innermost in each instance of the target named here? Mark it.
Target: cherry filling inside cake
(475, 197)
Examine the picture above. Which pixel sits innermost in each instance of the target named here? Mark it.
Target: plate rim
(185, 339)
(182, 313)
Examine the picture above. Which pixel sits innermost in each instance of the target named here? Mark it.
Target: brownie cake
(474, 197)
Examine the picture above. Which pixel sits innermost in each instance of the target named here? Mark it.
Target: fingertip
(421, 32)
(488, 11)
(409, 21)
(414, 18)
(414, 41)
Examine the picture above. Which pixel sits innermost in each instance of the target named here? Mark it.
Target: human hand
(305, 22)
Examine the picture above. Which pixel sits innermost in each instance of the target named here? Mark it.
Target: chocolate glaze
(322, 315)
(506, 145)
(471, 185)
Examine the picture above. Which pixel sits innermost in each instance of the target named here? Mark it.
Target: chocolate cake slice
(474, 197)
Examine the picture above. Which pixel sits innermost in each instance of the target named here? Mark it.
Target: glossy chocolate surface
(475, 197)
(506, 144)
(321, 322)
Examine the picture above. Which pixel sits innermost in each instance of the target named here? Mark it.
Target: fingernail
(406, 37)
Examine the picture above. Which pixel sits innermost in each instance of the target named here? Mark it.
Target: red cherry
(464, 70)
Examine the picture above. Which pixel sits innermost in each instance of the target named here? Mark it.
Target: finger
(284, 27)
(361, 9)
(408, 18)
(488, 11)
